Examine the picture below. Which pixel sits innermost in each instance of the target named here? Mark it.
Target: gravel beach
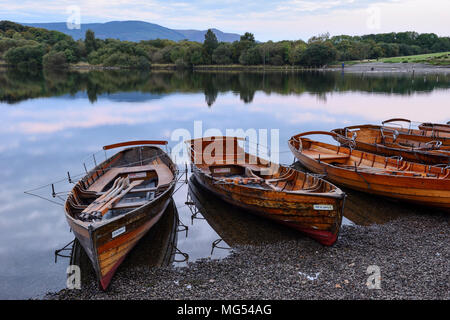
(411, 253)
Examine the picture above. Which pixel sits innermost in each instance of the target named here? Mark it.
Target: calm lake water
(51, 124)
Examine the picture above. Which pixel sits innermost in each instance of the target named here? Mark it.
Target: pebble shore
(412, 254)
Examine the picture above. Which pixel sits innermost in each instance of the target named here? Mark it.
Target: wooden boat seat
(316, 155)
(143, 190)
(165, 176)
(129, 205)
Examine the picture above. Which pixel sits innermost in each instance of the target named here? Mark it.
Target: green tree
(196, 57)
(318, 54)
(90, 41)
(441, 45)
(251, 56)
(248, 37)
(246, 42)
(210, 44)
(296, 52)
(54, 60)
(29, 57)
(222, 54)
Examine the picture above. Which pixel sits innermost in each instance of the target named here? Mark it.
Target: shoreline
(411, 253)
(364, 68)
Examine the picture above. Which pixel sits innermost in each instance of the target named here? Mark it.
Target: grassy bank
(437, 59)
(441, 58)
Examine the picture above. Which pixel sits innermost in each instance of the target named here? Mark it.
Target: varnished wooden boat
(432, 129)
(301, 201)
(423, 132)
(375, 174)
(156, 248)
(388, 142)
(412, 138)
(118, 201)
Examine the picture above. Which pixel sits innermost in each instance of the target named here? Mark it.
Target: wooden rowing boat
(301, 201)
(388, 142)
(156, 248)
(375, 174)
(411, 138)
(425, 130)
(118, 201)
(431, 129)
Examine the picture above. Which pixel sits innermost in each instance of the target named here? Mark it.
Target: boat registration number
(323, 207)
(222, 170)
(118, 232)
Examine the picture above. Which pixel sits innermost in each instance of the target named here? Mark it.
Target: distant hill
(199, 36)
(133, 31)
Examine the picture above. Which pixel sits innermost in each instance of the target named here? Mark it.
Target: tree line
(28, 47)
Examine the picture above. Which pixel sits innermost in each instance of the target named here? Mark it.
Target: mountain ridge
(134, 30)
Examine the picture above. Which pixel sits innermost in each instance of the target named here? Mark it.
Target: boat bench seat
(165, 175)
(330, 156)
(129, 205)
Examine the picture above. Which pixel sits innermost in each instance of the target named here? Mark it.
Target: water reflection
(157, 248)
(16, 86)
(236, 226)
(233, 225)
(365, 209)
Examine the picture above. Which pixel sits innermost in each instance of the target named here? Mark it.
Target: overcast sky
(268, 20)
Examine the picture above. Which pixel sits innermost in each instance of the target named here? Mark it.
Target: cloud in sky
(268, 20)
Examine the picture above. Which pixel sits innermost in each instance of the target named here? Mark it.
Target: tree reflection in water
(16, 86)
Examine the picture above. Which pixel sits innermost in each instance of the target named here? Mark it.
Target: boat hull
(107, 251)
(293, 210)
(427, 192)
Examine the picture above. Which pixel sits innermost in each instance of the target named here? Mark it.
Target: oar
(122, 182)
(105, 207)
(114, 186)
